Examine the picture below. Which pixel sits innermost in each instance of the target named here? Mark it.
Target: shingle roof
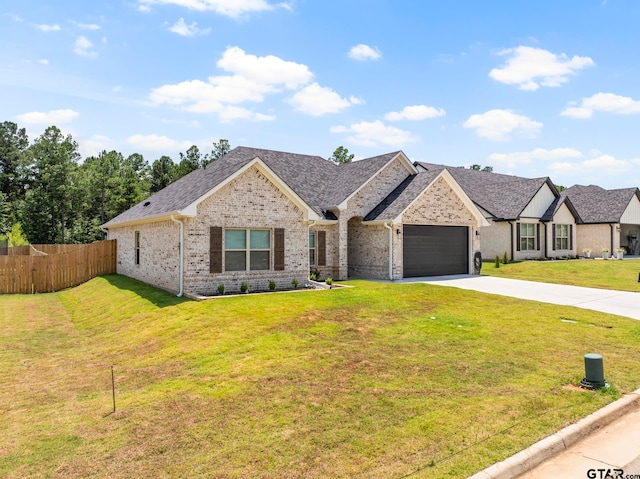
(502, 196)
(597, 205)
(320, 183)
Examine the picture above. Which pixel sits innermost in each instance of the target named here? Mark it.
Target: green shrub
(505, 258)
(329, 281)
(221, 289)
(244, 287)
(313, 277)
(272, 285)
(497, 261)
(294, 283)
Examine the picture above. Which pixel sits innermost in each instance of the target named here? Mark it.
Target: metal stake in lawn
(113, 389)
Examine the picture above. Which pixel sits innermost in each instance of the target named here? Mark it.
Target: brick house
(259, 215)
(527, 217)
(610, 219)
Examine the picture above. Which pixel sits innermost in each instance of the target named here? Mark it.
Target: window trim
(559, 237)
(524, 237)
(248, 249)
(314, 248)
(136, 247)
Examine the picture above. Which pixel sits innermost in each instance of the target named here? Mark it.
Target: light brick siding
(331, 251)
(159, 253)
(368, 250)
(377, 189)
(362, 203)
(595, 238)
(439, 205)
(495, 240)
(249, 201)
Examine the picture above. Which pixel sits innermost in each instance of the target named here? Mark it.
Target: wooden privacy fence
(48, 268)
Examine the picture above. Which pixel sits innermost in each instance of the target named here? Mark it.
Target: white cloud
(498, 125)
(82, 46)
(606, 161)
(317, 100)
(87, 26)
(53, 117)
(182, 28)
(230, 113)
(531, 67)
(539, 154)
(230, 8)
(48, 28)
(267, 70)
(415, 112)
(593, 169)
(375, 133)
(609, 102)
(362, 52)
(157, 143)
(94, 146)
(43, 61)
(251, 79)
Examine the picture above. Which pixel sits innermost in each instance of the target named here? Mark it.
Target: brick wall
(595, 238)
(159, 253)
(249, 201)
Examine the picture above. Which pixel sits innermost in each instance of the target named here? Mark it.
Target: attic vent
(146, 203)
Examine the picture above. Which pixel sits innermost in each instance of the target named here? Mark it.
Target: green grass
(374, 381)
(620, 275)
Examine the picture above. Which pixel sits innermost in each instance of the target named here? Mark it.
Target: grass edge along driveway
(380, 380)
(611, 274)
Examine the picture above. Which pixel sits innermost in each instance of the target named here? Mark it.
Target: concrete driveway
(607, 301)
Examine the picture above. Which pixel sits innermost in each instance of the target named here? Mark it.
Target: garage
(435, 250)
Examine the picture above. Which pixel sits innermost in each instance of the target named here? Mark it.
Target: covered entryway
(435, 250)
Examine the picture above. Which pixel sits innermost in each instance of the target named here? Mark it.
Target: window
(137, 246)
(312, 249)
(527, 237)
(247, 250)
(562, 237)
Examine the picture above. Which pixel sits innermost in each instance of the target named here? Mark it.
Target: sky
(531, 88)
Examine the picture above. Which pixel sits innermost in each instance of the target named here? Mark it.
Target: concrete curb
(548, 447)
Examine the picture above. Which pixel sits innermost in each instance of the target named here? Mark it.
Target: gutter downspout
(612, 241)
(181, 255)
(309, 225)
(389, 226)
(512, 253)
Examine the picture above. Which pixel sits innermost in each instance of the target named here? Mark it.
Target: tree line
(47, 195)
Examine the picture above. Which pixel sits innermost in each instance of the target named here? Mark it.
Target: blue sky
(532, 88)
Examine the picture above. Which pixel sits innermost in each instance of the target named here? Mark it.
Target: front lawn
(612, 274)
(380, 380)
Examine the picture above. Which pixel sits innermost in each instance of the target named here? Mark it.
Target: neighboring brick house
(527, 218)
(610, 218)
(259, 215)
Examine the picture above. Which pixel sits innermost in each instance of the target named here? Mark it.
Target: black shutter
(278, 249)
(517, 236)
(570, 236)
(553, 231)
(322, 248)
(538, 236)
(215, 250)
